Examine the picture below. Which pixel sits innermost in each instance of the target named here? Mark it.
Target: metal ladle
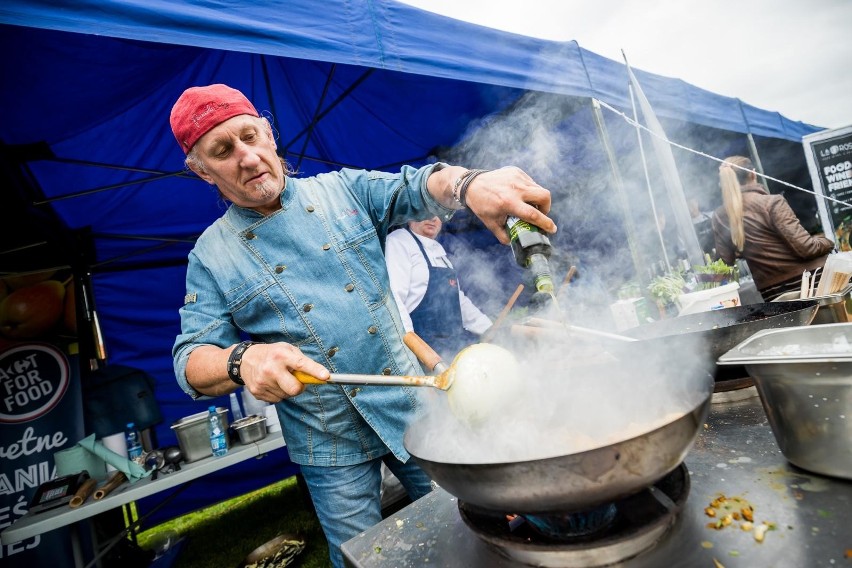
(481, 379)
(575, 330)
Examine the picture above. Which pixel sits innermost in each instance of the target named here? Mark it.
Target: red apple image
(28, 312)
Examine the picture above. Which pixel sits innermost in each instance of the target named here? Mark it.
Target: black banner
(40, 404)
(832, 169)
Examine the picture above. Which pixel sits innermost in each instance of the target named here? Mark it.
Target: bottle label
(515, 226)
(218, 445)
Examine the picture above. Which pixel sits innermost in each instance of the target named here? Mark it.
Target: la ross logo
(33, 379)
(836, 149)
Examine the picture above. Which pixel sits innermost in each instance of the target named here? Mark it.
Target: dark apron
(438, 319)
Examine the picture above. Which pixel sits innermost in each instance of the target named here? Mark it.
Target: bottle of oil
(531, 248)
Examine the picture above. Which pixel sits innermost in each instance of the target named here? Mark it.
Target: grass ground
(222, 535)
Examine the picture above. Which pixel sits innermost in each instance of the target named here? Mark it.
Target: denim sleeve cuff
(180, 363)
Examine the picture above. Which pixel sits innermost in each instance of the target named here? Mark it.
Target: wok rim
(496, 486)
(625, 441)
(790, 308)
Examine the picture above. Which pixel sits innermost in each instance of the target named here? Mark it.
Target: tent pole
(648, 181)
(668, 169)
(330, 107)
(755, 157)
(752, 147)
(314, 119)
(109, 187)
(269, 95)
(638, 261)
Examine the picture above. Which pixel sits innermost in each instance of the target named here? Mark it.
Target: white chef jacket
(409, 278)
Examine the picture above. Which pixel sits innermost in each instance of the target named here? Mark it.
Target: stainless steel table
(31, 525)
(735, 455)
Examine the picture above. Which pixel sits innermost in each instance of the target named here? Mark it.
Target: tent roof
(384, 34)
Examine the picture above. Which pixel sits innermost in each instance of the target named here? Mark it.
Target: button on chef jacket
(421, 290)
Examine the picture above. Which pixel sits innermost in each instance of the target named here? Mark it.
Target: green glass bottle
(531, 249)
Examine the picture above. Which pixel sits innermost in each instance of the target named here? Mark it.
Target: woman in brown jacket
(763, 229)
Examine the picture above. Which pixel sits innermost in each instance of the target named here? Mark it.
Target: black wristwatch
(235, 360)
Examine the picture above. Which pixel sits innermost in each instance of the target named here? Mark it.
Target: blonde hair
(730, 180)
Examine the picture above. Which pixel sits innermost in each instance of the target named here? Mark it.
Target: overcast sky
(789, 56)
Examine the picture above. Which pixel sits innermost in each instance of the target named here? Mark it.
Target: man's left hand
(495, 195)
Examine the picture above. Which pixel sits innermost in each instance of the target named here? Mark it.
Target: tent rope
(635, 123)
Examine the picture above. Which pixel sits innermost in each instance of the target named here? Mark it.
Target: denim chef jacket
(313, 274)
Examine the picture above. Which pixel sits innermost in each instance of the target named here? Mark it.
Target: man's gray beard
(267, 189)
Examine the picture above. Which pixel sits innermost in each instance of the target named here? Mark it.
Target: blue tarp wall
(92, 171)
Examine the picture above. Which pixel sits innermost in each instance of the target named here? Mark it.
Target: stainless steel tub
(804, 378)
(833, 308)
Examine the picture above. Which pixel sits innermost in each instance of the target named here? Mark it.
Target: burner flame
(562, 527)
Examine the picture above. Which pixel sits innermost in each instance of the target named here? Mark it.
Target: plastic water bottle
(218, 442)
(235, 407)
(134, 441)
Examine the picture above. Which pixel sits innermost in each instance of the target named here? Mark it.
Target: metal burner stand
(641, 520)
(735, 455)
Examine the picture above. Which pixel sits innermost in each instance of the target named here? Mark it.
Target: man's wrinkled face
(239, 158)
(428, 228)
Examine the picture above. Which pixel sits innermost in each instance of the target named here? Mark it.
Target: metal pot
(580, 480)
(250, 429)
(833, 308)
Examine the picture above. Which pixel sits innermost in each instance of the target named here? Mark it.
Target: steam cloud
(580, 394)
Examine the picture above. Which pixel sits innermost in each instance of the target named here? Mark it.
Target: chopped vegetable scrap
(730, 510)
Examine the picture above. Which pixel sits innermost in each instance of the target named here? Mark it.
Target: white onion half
(485, 378)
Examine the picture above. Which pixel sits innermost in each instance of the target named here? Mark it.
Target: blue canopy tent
(92, 171)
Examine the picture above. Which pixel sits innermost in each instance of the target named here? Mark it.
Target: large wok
(706, 335)
(573, 481)
(709, 335)
(719, 331)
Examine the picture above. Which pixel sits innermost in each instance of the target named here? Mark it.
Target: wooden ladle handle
(425, 354)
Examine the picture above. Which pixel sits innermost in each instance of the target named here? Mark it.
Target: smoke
(579, 394)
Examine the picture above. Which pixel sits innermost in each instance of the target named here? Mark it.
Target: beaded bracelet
(457, 185)
(468, 178)
(236, 359)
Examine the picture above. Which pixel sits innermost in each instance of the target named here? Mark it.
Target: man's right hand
(267, 370)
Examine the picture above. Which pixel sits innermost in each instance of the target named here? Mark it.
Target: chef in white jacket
(427, 292)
